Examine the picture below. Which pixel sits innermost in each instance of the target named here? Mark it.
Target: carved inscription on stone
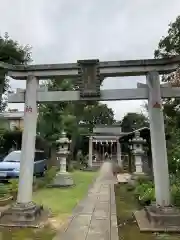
(89, 78)
(28, 109)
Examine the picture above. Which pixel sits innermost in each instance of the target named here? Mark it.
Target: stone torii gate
(90, 74)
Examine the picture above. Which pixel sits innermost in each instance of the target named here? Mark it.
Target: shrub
(143, 179)
(50, 174)
(130, 187)
(79, 157)
(13, 185)
(148, 195)
(81, 160)
(140, 189)
(77, 166)
(145, 193)
(174, 179)
(70, 167)
(4, 190)
(40, 183)
(145, 190)
(175, 195)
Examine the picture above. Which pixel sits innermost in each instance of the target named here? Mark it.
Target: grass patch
(62, 201)
(127, 226)
(26, 234)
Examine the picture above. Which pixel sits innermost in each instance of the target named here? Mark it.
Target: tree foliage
(76, 118)
(168, 46)
(174, 150)
(98, 114)
(13, 53)
(133, 121)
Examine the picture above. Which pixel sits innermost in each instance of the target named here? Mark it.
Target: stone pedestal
(158, 219)
(63, 180)
(24, 215)
(167, 217)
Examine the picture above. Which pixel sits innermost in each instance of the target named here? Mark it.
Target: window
(39, 156)
(13, 157)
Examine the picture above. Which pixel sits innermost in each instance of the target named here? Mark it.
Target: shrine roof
(144, 133)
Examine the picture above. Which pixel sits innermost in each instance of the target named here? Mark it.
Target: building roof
(107, 130)
(144, 133)
(12, 115)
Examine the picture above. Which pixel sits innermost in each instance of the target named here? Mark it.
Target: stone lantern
(96, 152)
(137, 150)
(63, 178)
(63, 145)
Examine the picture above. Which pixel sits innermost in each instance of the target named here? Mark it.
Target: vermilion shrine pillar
(158, 141)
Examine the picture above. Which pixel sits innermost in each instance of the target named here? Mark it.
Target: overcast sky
(66, 30)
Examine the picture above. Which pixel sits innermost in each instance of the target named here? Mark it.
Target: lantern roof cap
(137, 138)
(63, 139)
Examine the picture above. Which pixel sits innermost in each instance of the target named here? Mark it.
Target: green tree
(70, 115)
(132, 121)
(168, 46)
(97, 114)
(76, 118)
(174, 150)
(11, 52)
(52, 115)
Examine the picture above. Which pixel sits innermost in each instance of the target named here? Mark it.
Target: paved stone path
(95, 217)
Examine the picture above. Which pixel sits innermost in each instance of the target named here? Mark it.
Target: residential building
(12, 119)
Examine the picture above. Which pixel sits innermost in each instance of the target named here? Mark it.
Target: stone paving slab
(123, 177)
(95, 216)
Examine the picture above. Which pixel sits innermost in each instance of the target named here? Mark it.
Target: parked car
(10, 166)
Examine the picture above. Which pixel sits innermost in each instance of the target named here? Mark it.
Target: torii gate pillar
(28, 142)
(90, 151)
(158, 141)
(119, 158)
(24, 211)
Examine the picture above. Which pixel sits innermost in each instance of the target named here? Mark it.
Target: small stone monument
(137, 150)
(63, 178)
